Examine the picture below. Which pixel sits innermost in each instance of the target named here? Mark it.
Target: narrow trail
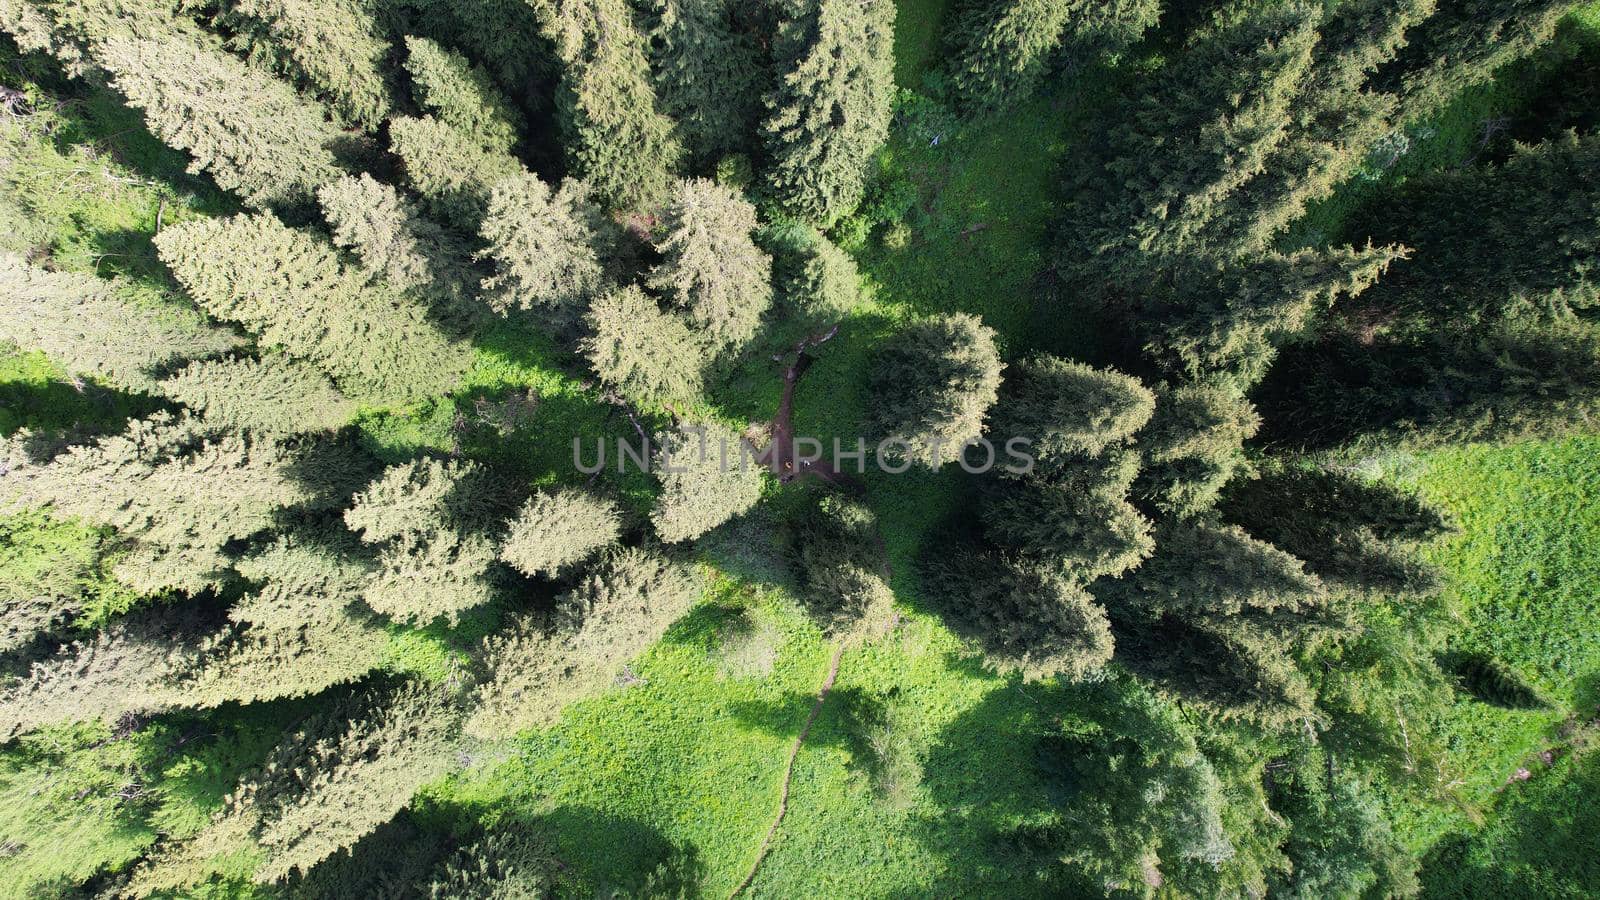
(788, 771)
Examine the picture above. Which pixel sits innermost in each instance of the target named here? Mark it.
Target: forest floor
(685, 764)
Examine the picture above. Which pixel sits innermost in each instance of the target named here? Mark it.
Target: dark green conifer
(461, 95)
(932, 385)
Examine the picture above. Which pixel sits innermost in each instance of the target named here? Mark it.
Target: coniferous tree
(1078, 522)
(559, 529)
(711, 267)
(88, 327)
(831, 109)
(1193, 446)
(297, 635)
(932, 385)
(547, 250)
(1023, 617)
(435, 522)
(647, 354)
(503, 35)
(398, 244)
(248, 130)
(182, 493)
(50, 571)
(1002, 48)
(291, 288)
(706, 480)
(461, 95)
(273, 395)
(617, 139)
(816, 281)
(337, 46)
(708, 74)
(449, 168)
(339, 776)
(1340, 842)
(74, 32)
(509, 864)
(1068, 409)
(845, 576)
(1465, 42)
(622, 606)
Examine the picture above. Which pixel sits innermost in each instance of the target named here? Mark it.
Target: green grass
(917, 32)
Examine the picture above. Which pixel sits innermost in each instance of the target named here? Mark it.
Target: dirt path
(779, 456)
(788, 772)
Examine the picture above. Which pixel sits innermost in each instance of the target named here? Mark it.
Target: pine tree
(932, 385)
(434, 522)
(291, 288)
(708, 74)
(250, 131)
(449, 168)
(648, 355)
(616, 136)
(547, 250)
(1079, 523)
(339, 47)
(816, 281)
(339, 776)
(88, 326)
(558, 530)
(182, 493)
(705, 481)
(621, 607)
(398, 244)
(1023, 618)
(461, 95)
(711, 267)
(273, 395)
(1068, 409)
(831, 109)
(1465, 42)
(845, 576)
(1193, 446)
(1001, 48)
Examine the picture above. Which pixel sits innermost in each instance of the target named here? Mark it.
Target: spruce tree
(816, 282)
(711, 267)
(89, 327)
(647, 354)
(705, 481)
(508, 864)
(1193, 446)
(1465, 42)
(50, 571)
(709, 73)
(931, 387)
(548, 249)
(1206, 128)
(182, 492)
(1069, 409)
(336, 778)
(274, 395)
(830, 111)
(845, 577)
(248, 130)
(338, 47)
(1023, 617)
(557, 530)
(1209, 570)
(398, 244)
(449, 168)
(461, 95)
(621, 607)
(616, 137)
(437, 526)
(1079, 522)
(290, 288)
(1000, 49)
(298, 634)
